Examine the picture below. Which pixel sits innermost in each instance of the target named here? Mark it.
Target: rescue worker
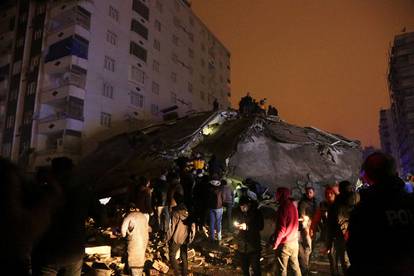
(381, 226)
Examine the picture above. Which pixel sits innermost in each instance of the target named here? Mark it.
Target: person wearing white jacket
(135, 228)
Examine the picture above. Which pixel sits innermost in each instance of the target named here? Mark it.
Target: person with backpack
(180, 234)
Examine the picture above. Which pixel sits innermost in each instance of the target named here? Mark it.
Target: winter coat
(228, 195)
(181, 229)
(160, 193)
(381, 228)
(307, 208)
(338, 216)
(249, 240)
(320, 220)
(174, 188)
(143, 200)
(287, 220)
(135, 228)
(215, 197)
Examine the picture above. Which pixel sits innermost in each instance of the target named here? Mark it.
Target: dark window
(73, 45)
(75, 108)
(140, 8)
(139, 28)
(138, 51)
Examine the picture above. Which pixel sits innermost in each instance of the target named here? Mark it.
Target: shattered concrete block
(160, 266)
(102, 251)
(191, 253)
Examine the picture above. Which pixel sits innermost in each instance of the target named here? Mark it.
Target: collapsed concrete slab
(268, 150)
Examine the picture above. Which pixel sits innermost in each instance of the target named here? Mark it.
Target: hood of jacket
(282, 194)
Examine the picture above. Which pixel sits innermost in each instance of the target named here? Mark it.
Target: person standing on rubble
(307, 208)
(248, 223)
(200, 200)
(320, 222)
(286, 235)
(142, 195)
(228, 201)
(215, 205)
(160, 203)
(174, 188)
(62, 247)
(181, 233)
(135, 229)
(381, 226)
(338, 221)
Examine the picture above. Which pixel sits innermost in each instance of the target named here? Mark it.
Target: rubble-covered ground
(107, 256)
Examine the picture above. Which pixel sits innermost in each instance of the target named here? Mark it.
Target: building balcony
(64, 15)
(71, 89)
(67, 31)
(58, 122)
(65, 64)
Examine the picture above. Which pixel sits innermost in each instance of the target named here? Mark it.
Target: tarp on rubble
(269, 151)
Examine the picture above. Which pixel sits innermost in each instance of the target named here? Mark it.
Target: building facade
(401, 87)
(75, 72)
(387, 134)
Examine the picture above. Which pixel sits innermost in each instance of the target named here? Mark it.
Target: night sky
(322, 63)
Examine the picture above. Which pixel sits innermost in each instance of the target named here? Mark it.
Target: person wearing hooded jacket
(215, 205)
(135, 228)
(180, 234)
(381, 226)
(249, 222)
(286, 234)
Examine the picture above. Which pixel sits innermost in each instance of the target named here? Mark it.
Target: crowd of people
(364, 232)
(249, 106)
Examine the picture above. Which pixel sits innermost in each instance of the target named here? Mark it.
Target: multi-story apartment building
(401, 85)
(387, 134)
(71, 72)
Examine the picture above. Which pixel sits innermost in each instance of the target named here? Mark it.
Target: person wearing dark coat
(228, 200)
(307, 208)
(61, 249)
(248, 223)
(143, 201)
(338, 220)
(181, 233)
(381, 226)
(159, 200)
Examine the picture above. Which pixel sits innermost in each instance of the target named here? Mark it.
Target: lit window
(109, 64)
(136, 99)
(106, 119)
(108, 90)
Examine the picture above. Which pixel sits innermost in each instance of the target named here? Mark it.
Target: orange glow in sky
(322, 63)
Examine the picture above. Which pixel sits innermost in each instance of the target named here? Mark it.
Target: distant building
(387, 134)
(401, 85)
(73, 71)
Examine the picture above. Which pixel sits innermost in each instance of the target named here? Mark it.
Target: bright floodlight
(104, 200)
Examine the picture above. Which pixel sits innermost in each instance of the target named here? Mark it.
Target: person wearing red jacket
(286, 242)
